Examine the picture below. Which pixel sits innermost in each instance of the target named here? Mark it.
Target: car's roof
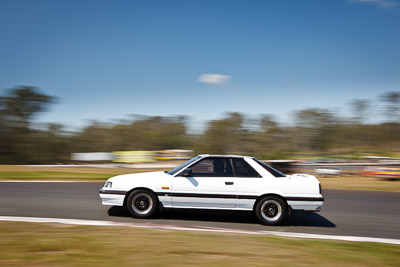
(224, 156)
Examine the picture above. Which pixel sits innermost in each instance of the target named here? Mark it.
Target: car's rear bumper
(307, 206)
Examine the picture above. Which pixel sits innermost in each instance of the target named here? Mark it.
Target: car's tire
(142, 203)
(271, 210)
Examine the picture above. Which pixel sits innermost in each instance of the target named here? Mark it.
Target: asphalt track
(346, 212)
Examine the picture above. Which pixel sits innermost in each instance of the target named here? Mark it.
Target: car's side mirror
(186, 172)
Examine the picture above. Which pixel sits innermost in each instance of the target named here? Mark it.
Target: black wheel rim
(142, 203)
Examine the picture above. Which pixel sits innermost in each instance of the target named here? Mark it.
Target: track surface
(346, 212)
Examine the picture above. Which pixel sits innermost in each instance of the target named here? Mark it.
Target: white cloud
(215, 79)
(380, 3)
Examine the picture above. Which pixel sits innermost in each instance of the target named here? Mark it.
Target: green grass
(33, 244)
(359, 183)
(45, 175)
(13, 172)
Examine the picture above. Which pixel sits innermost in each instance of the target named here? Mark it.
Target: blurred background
(319, 141)
(306, 85)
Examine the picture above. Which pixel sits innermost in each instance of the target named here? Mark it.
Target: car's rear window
(271, 170)
(243, 169)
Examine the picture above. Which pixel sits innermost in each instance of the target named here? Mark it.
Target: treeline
(314, 132)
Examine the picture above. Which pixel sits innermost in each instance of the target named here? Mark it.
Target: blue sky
(108, 59)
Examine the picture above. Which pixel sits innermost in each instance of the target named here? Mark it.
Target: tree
(315, 128)
(268, 123)
(223, 136)
(17, 108)
(22, 103)
(360, 108)
(392, 100)
(269, 139)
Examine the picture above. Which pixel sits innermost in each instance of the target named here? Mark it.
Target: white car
(224, 182)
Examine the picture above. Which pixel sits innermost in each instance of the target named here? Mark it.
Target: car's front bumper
(112, 197)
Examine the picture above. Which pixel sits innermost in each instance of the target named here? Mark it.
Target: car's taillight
(320, 189)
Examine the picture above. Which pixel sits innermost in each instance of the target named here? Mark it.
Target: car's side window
(212, 167)
(243, 169)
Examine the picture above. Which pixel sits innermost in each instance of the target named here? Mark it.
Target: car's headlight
(108, 184)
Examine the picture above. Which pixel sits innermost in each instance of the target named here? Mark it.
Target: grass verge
(11, 172)
(359, 183)
(34, 244)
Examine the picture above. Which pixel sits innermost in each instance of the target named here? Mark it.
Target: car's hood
(145, 179)
(142, 175)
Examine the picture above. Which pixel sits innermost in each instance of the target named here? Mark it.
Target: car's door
(211, 185)
(249, 183)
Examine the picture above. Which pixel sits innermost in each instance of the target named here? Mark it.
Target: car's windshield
(271, 170)
(183, 165)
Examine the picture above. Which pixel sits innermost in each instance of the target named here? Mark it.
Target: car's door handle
(229, 183)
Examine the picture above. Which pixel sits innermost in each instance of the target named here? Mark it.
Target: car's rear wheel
(271, 210)
(142, 203)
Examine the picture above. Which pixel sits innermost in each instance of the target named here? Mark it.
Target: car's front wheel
(271, 210)
(142, 203)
